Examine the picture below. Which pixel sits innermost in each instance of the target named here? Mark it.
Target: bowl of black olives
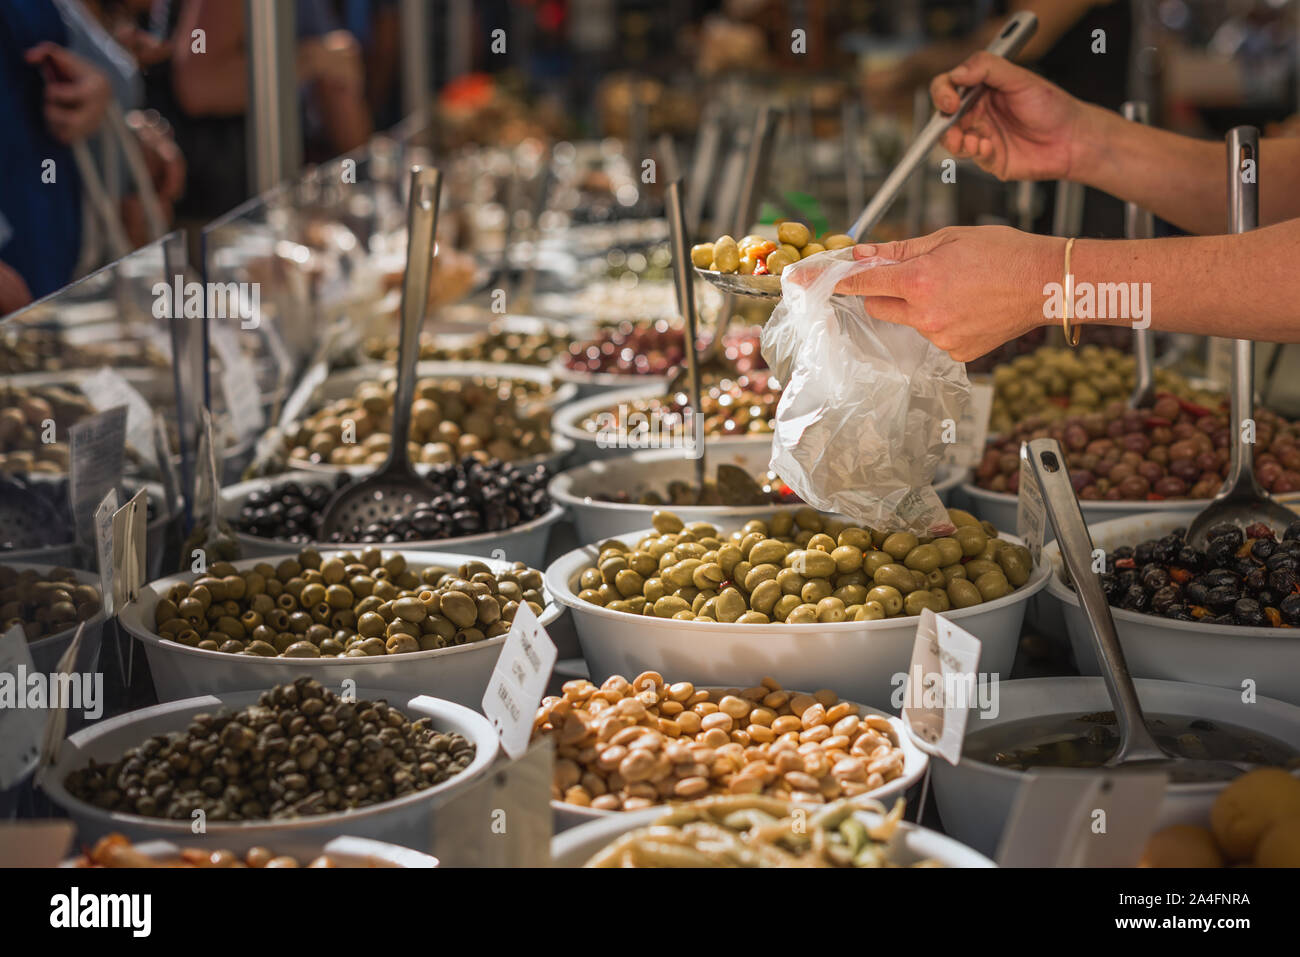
(1223, 615)
(480, 508)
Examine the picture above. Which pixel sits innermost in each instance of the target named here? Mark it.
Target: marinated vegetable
(758, 256)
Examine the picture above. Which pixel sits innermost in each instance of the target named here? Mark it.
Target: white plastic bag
(861, 423)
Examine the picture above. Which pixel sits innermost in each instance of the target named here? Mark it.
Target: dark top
(45, 217)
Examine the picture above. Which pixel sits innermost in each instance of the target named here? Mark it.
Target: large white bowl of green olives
(823, 611)
(360, 622)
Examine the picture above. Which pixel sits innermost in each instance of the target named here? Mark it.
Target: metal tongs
(1010, 41)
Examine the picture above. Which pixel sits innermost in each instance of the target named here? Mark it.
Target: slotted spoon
(1242, 501)
(395, 487)
(1138, 749)
(1010, 41)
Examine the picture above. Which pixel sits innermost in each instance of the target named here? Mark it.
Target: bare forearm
(1242, 286)
(1180, 179)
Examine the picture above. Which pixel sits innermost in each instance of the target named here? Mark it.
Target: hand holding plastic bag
(861, 421)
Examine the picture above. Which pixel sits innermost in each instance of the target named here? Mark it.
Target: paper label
(972, 430)
(104, 548)
(98, 446)
(129, 540)
(1072, 819)
(243, 398)
(56, 720)
(21, 728)
(296, 404)
(1031, 515)
(35, 843)
(941, 686)
(503, 819)
(519, 681)
(107, 389)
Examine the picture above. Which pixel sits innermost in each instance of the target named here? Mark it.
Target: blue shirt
(45, 217)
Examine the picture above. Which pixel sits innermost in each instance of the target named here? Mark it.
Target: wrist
(1090, 136)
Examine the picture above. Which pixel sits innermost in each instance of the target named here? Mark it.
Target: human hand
(76, 92)
(1023, 127)
(967, 289)
(14, 293)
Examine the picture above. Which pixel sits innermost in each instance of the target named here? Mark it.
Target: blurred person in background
(50, 98)
(204, 95)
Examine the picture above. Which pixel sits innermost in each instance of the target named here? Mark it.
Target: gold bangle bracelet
(1071, 332)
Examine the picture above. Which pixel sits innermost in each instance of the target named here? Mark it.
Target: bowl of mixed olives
(49, 603)
(430, 622)
(797, 593)
(1224, 615)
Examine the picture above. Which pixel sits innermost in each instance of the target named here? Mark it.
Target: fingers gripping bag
(861, 423)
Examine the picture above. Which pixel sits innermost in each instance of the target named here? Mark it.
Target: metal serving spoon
(392, 490)
(1242, 500)
(682, 278)
(1138, 749)
(1010, 41)
(1139, 223)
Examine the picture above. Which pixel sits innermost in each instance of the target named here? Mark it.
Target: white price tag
(98, 446)
(104, 548)
(519, 681)
(21, 727)
(56, 721)
(1031, 514)
(942, 686)
(243, 398)
(973, 428)
(1081, 819)
(107, 389)
(296, 404)
(129, 540)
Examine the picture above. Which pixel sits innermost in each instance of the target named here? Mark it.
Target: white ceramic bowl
(859, 661)
(404, 820)
(914, 764)
(568, 419)
(47, 651)
(459, 674)
(1157, 647)
(596, 383)
(975, 799)
(911, 843)
(523, 543)
(596, 520)
(345, 851)
(1000, 508)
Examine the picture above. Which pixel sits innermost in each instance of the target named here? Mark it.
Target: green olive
(768, 550)
(730, 605)
(872, 561)
(917, 600)
(804, 614)
(830, 609)
(950, 551)
(812, 563)
(791, 581)
(670, 605)
(765, 596)
(899, 544)
(460, 608)
(951, 572)
(1016, 563)
(898, 576)
(629, 582)
(870, 611)
(815, 589)
(784, 606)
(979, 566)
(971, 539)
(888, 597)
(993, 585)
(301, 649)
(848, 558)
(923, 558)
(410, 609)
(753, 618)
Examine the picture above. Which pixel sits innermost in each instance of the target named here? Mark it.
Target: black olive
(1154, 577)
(1124, 551)
(1135, 599)
(1220, 552)
(1290, 609)
(1280, 560)
(1282, 580)
(1292, 531)
(1226, 531)
(1247, 611)
(1144, 553)
(1188, 558)
(1222, 597)
(1164, 599)
(1197, 592)
(1267, 597)
(1262, 548)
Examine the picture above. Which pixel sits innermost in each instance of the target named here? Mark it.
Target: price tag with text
(1031, 514)
(104, 547)
(942, 686)
(519, 681)
(129, 540)
(21, 727)
(107, 389)
(972, 431)
(98, 451)
(1081, 819)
